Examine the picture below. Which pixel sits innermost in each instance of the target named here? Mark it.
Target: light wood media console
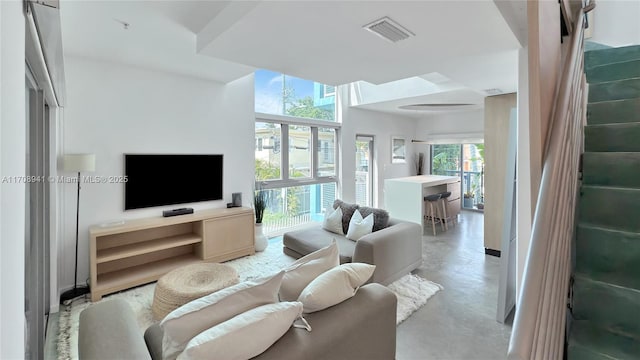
(142, 250)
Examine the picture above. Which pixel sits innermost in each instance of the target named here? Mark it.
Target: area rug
(412, 292)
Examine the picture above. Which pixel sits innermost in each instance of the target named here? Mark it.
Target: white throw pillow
(359, 227)
(335, 286)
(244, 336)
(333, 221)
(187, 321)
(300, 273)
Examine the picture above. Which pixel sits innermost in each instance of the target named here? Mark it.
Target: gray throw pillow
(380, 217)
(347, 212)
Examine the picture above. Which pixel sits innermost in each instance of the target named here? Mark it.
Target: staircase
(606, 289)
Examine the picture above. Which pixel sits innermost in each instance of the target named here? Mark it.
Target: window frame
(285, 121)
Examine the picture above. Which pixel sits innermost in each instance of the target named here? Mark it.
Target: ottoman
(186, 283)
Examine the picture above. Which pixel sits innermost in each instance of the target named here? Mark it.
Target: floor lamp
(77, 163)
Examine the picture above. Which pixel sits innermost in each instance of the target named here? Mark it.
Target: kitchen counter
(404, 197)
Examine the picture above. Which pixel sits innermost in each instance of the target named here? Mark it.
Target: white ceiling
(161, 35)
(468, 42)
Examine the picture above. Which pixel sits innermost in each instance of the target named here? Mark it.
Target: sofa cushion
(335, 286)
(347, 213)
(309, 240)
(109, 330)
(380, 217)
(246, 335)
(301, 272)
(333, 221)
(187, 321)
(359, 227)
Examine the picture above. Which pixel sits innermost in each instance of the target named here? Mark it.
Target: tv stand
(141, 251)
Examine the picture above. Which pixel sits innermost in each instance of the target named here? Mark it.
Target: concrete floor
(460, 321)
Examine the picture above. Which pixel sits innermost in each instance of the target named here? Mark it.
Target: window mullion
(314, 152)
(284, 167)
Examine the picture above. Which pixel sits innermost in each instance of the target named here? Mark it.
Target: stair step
(592, 45)
(608, 255)
(607, 56)
(610, 207)
(619, 169)
(614, 71)
(612, 137)
(616, 111)
(614, 90)
(589, 342)
(613, 307)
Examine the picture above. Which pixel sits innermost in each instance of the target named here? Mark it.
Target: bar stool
(431, 212)
(443, 200)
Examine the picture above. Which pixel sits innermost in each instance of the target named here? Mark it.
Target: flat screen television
(157, 179)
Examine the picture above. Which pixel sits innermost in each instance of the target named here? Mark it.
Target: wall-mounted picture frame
(398, 150)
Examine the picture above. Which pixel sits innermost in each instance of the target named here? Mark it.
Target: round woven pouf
(181, 285)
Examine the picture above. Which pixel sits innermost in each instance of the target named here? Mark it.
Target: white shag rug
(412, 292)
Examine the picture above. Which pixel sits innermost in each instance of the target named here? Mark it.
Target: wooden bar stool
(443, 200)
(431, 211)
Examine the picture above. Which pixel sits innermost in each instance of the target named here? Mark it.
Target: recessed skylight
(437, 106)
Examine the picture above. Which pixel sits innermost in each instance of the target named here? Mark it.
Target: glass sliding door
(465, 161)
(445, 159)
(364, 170)
(473, 176)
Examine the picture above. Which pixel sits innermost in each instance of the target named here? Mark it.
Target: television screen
(156, 180)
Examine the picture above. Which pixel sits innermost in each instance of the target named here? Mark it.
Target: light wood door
(225, 236)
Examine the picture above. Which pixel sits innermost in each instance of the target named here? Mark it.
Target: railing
(277, 226)
(539, 326)
(472, 184)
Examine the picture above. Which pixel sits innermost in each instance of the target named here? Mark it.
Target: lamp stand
(77, 291)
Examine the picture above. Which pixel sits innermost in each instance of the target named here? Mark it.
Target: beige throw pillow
(333, 221)
(244, 336)
(335, 286)
(359, 227)
(300, 273)
(187, 321)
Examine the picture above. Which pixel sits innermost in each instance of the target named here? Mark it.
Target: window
(296, 148)
(297, 196)
(327, 149)
(297, 205)
(281, 94)
(364, 170)
(311, 155)
(268, 157)
(299, 152)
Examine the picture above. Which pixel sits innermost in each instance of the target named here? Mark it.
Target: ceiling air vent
(389, 30)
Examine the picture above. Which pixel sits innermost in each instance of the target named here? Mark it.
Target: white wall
(525, 200)
(114, 109)
(615, 22)
(382, 126)
(453, 127)
(12, 163)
